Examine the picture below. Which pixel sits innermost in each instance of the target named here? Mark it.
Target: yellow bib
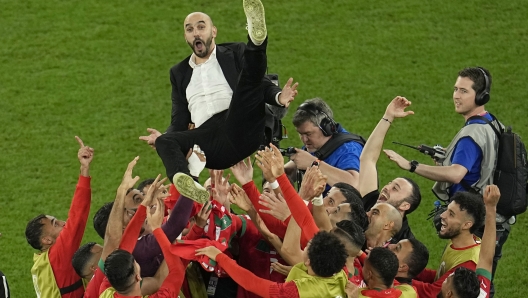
(454, 257)
(43, 278)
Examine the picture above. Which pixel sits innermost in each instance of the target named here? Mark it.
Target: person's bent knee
(162, 141)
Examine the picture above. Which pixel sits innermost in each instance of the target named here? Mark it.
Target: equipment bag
(511, 171)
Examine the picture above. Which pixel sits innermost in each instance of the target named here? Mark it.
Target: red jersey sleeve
(131, 233)
(69, 239)
(174, 280)
(244, 277)
(195, 232)
(431, 290)
(484, 277)
(275, 226)
(299, 211)
(92, 290)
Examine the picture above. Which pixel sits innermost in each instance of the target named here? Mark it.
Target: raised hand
(151, 138)
(156, 191)
(270, 162)
(85, 155)
(243, 171)
(128, 181)
(313, 183)
(396, 108)
(155, 214)
(239, 198)
(221, 186)
(211, 252)
(491, 195)
(398, 159)
(202, 216)
(288, 93)
(280, 268)
(276, 205)
(196, 159)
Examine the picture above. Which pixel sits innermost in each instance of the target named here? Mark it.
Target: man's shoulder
(181, 65)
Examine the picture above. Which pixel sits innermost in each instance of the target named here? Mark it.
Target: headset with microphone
(327, 125)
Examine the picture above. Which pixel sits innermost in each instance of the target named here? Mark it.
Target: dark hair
(34, 231)
(357, 210)
(344, 185)
(327, 254)
(81, 257)
(385, 263)
(466, 283)
(414, 198)
(473, 205)
(119, 269)
(144, 183)
(418, 258)
(352, 229)
(475, 74)
(309, 112)
(100, 219)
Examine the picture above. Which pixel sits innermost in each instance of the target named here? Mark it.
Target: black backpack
(511, 170)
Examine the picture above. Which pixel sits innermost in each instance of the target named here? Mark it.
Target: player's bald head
(197, 16)
(395, 216)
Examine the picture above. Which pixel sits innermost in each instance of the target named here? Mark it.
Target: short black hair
(81, 257)
(100, 219)
(344, 185)
(327, 254)
(119, 269)
(352, 229)
(418, 258)
(357, 209)
(144, 183)
(473, 204)
(414, 198)
(34, 231)
(475, 74)
(466, 283)
(385, 263)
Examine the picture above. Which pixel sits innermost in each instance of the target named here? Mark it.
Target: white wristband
(195, 166)
(318, 201)
(274, 184)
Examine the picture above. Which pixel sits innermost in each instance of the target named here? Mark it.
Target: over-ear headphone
(327, 125)
(483, 96)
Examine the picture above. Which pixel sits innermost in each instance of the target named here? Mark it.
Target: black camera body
(288, 151)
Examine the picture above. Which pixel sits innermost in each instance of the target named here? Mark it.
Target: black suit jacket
(231, 58)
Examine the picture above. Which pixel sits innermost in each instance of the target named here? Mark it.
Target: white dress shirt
(208, 92)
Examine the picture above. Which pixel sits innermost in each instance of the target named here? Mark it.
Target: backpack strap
(336, 141)
(478, 117)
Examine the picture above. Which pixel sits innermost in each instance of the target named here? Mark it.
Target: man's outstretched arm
(368, 180)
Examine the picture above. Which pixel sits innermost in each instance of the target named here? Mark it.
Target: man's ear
(467, 225)
(404, 206)
(403, 268)
(214, 31)
(46, 240)
(389, 225)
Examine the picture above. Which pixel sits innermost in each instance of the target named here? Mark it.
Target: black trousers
(229, 136)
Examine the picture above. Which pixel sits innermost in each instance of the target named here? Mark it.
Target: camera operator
(471, 155)
(314, 122)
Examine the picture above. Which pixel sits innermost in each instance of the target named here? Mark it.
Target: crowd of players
(339, 235)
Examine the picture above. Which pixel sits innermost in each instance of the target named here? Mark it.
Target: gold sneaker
(189, 188)
(256, 21)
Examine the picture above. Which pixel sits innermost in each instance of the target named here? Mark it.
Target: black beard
(449, 235)
(207, 46)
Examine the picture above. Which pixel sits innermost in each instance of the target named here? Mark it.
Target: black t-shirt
(370, 199)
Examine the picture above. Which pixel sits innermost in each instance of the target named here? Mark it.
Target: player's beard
(205, 44)
(449, 234)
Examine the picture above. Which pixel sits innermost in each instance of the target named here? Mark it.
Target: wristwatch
(414, 164)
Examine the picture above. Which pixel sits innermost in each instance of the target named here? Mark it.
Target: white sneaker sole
(187, 187)
(254, 11)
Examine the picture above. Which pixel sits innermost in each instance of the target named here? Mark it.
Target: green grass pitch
(99, 69)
